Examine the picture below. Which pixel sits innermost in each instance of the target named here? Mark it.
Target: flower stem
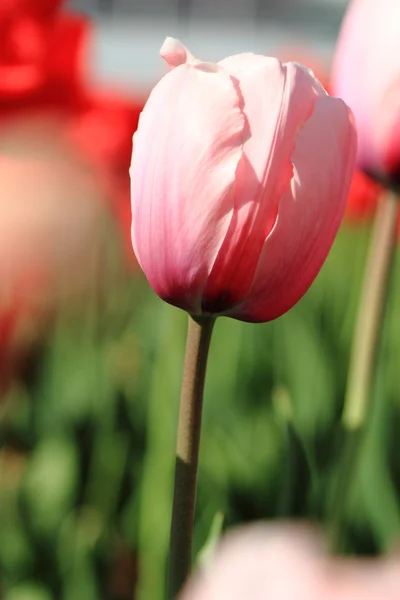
(187, 452)
(366, 340)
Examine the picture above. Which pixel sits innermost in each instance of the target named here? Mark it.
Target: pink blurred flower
(307, 57)
(43, 68)
(65, 149)
(286, 562)
(240, 172)
(48, 198)
(50, 203)
(51, 209)
(364, 192)
(366, 74)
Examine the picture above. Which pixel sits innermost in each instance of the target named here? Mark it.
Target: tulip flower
(262, 562)
(45, 98)
(240, 173)
(366, 74)
(363, 198)
(287, 562)
(364, 192)
(43, 67)
(34, 42)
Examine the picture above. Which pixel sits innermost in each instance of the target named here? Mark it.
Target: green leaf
(28, 591)
(50, 483)
(206, 554)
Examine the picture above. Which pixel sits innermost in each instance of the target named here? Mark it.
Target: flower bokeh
(65, 147)
(366, 74)
(288, 562)
(364, 192)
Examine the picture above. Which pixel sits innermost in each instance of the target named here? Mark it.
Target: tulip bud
(366, 74)
(239, 179)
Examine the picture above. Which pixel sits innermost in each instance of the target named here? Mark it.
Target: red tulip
(240, 172)
(51, 82)
(366, 74)
(59, 133)
(363, 197)
(102, 131)
(26, 31)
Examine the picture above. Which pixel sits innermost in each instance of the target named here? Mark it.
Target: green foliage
(88, 434)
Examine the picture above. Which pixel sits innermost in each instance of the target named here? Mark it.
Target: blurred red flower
(27, 33)
(44, 92)
(42, 68)
(363, 198)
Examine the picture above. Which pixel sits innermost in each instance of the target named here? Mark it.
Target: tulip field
(199, 315)
(88, 433)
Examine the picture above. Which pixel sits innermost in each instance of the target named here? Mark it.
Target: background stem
(367, 335)
(187, 452)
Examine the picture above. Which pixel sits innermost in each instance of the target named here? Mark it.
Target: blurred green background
(88, 432)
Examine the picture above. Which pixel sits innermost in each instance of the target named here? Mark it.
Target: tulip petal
(366, 64)
(388, 131)
(309, 214)
(175, 53)
(184, 207)
(288, 562)
(253, 563)
(276, 99)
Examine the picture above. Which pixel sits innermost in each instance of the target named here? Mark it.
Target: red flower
(42, 82)
(26, 28)
(42, 69)
(103, 132)
(363, 197)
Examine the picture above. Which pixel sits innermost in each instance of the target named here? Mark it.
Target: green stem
(366, 340)
(187, 452)
(158, 463)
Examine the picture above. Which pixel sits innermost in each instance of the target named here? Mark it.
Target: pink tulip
(240, 173)
(366, 74)
(51, 212)
(286, 562)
